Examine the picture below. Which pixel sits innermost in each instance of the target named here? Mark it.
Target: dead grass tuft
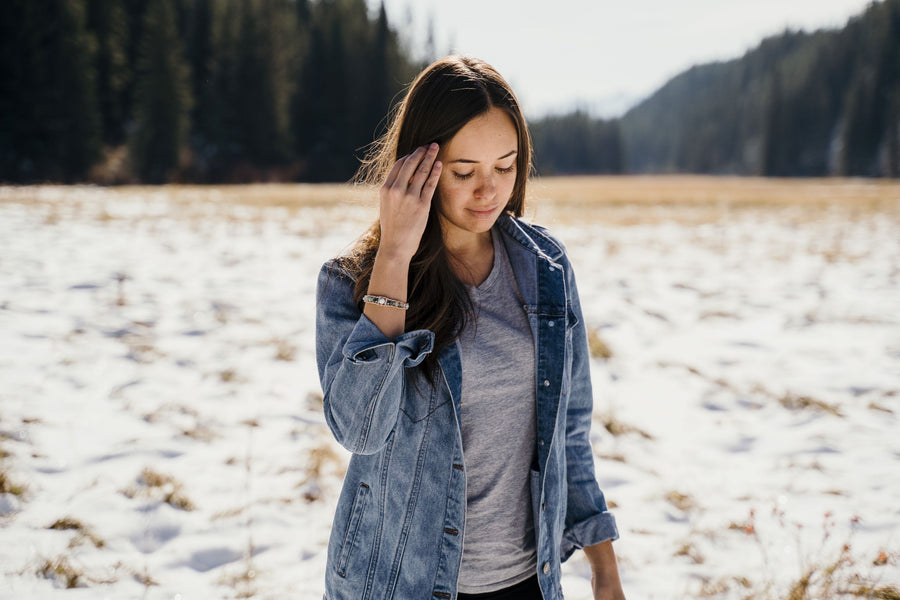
(152, 484)
(690, 551)
(60, 571)
(681, 501)
(8, 486)
(614, 456)
(795, 402)
(598, 348)
(887, 592)
(315, 401)
(201, 433)
(286, 351)
(322, 460)
(145, 579)
(84, 532)
(617, 427)
(243, 582)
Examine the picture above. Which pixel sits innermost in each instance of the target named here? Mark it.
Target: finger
(392, 174)
(432, 181)
(423, 170)
(409, 167)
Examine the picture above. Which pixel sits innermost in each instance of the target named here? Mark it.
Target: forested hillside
(216, 91)
(800, 104)
(192, 90)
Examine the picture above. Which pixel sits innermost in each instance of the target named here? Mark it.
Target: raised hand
(405, 201)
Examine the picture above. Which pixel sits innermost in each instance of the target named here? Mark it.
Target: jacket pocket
(420, 398)
(356, 513)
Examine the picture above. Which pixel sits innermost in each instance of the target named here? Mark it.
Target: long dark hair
(440, 101)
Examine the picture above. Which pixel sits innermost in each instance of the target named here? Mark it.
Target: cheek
(449, 191)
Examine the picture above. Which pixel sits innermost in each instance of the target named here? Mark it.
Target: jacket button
(546, 383)
(551, 323)
(546, 568)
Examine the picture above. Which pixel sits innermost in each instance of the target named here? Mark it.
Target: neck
(469, 247)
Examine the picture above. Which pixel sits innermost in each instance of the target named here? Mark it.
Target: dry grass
(286, 351)
(617, 427)
(690, 551)
(796, 402)
(613, 200)
(8, 486)
(60, 571)
(152, 484)
(314, 401)
(684, 502)
(84, 532)
(201, 433)
(597, 346)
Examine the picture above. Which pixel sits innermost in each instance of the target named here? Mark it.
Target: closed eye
(502, 170)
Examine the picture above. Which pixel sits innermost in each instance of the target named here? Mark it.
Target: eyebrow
(468, 160)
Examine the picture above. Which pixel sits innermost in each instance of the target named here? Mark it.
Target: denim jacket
(398, 527)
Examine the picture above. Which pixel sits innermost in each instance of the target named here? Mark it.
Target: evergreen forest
(227, 91)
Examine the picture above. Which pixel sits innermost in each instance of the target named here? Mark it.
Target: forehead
(486, 137)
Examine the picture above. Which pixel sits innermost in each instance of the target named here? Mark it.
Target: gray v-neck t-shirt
(498, 430)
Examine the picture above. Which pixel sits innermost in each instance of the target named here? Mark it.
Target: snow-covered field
(161, 433)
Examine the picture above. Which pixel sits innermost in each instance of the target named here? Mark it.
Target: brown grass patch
(617, 427)
(201, 433)
(84, 532)
(8, 486)
(612, 200)
(690, 551)
(152, 484)
(60, 571)
(286, 351)
(797, 402)
(681, 501)
(597, 346)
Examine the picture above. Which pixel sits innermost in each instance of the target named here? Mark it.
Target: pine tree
(263, 86)
(49, 120)
(163, 99)
(108, 22)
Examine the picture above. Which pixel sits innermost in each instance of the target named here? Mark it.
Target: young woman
(454, 362)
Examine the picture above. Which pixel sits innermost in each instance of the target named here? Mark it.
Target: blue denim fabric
(398, 528)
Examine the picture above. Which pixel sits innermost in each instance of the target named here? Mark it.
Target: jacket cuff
(368, 344)
(593, 530)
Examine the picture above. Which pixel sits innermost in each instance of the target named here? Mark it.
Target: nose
(486, 188)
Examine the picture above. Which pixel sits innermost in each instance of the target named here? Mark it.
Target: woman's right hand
(406, 200)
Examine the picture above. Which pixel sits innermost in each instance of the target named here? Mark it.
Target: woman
(453, 357)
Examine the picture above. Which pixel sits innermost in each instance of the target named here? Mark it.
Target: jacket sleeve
(361, 370)
(588, 520)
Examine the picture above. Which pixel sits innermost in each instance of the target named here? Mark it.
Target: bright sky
(603, 56)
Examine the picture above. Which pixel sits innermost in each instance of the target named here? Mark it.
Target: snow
(756, 358)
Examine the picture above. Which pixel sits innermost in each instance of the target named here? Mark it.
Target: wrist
(393, 257)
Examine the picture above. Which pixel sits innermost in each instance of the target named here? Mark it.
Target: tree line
(214, 91)
(193, 90)
(799, 104)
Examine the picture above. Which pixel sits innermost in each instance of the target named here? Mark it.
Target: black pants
(525, 590)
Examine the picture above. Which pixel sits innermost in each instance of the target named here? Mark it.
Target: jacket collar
(530, 237)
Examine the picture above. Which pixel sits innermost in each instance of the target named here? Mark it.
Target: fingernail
(437, 164)
(433, 146)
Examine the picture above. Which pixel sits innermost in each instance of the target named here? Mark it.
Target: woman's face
(479, 173)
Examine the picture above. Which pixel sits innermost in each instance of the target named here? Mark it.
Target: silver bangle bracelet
(385, 301)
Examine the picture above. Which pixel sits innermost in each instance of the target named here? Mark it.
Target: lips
(487, 212)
